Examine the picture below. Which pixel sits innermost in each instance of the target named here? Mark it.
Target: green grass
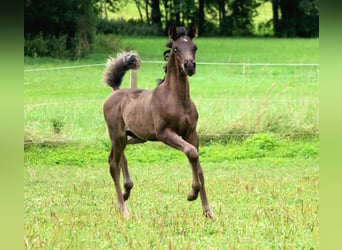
(263, 188)
(256, 206)
(264, 192)
(230, 99)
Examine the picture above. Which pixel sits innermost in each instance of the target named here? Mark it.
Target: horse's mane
(181, 31)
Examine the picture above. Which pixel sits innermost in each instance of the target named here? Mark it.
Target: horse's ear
(192, 32)
(173, 31)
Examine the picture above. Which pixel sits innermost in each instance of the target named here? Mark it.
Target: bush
(62, 29)
(129, 28)
(36, 46)
(58, 47)
(107, 44)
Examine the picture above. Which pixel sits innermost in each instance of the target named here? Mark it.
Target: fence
(133, 73)
(209, 105)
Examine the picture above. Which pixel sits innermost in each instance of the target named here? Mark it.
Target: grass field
(230, 99)
(259, 151)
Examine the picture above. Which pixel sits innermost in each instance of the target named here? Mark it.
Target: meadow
(258, 126)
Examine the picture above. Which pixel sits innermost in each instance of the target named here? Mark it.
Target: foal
(165, 114)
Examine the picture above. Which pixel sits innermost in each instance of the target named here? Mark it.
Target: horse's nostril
(190, 63)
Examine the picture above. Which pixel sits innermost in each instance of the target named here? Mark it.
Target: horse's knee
(192, 153)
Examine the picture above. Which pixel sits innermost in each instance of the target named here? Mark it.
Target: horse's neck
(177, 81)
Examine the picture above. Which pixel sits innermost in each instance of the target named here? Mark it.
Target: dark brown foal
(165, 114)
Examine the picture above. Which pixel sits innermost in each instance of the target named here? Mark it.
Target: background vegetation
(232, 99)
(67, 29)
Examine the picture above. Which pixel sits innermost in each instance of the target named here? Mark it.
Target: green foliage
(107, 44)
(62, 28)
(257, 146)
(40, 46)
(299, 18)
(265, 28)
(36, 46)
(240, 21)
(130, 27)
(57, 125)
(266, 142)
(309, 20)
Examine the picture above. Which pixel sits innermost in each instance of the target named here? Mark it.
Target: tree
(201, 17)
(298, 18)
(222, 14)
(69, 23)
(139, 5)
(275, 9)
(241, 18)
(147, 13)
(176, 11)
(308, 26)
(156, 14)
(103, 6)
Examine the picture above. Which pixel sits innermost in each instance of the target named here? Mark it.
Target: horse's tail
(117, 67)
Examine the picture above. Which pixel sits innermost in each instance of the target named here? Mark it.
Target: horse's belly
(138, 120)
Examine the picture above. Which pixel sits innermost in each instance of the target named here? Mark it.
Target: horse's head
(183, 47)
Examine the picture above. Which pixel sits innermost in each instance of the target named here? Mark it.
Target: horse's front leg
(172, 139)
(194, 140)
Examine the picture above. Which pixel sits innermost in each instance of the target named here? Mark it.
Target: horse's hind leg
(114, 168)
(128, 183)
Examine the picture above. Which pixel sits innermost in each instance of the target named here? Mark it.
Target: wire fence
(199, 63)
(310, 100)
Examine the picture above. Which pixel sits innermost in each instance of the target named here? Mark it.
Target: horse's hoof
(192, 195)
(125, 195)
(126, 215)
(124, 212)
(209, 214)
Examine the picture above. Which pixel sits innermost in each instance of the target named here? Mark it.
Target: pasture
(258, 126)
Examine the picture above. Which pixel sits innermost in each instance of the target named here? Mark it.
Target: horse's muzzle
(190, 67)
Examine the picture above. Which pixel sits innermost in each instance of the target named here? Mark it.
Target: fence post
(133, 78)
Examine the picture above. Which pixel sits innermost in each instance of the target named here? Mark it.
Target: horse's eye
(195, 48)
(175, 49)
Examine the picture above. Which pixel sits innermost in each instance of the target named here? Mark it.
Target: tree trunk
(275, 8)
(137, 3)
(101, 7)
(201, 19)
(105, 9)
(166, 8)
(146, 10)
(155, 13)
(289, 17)
(222, 15)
